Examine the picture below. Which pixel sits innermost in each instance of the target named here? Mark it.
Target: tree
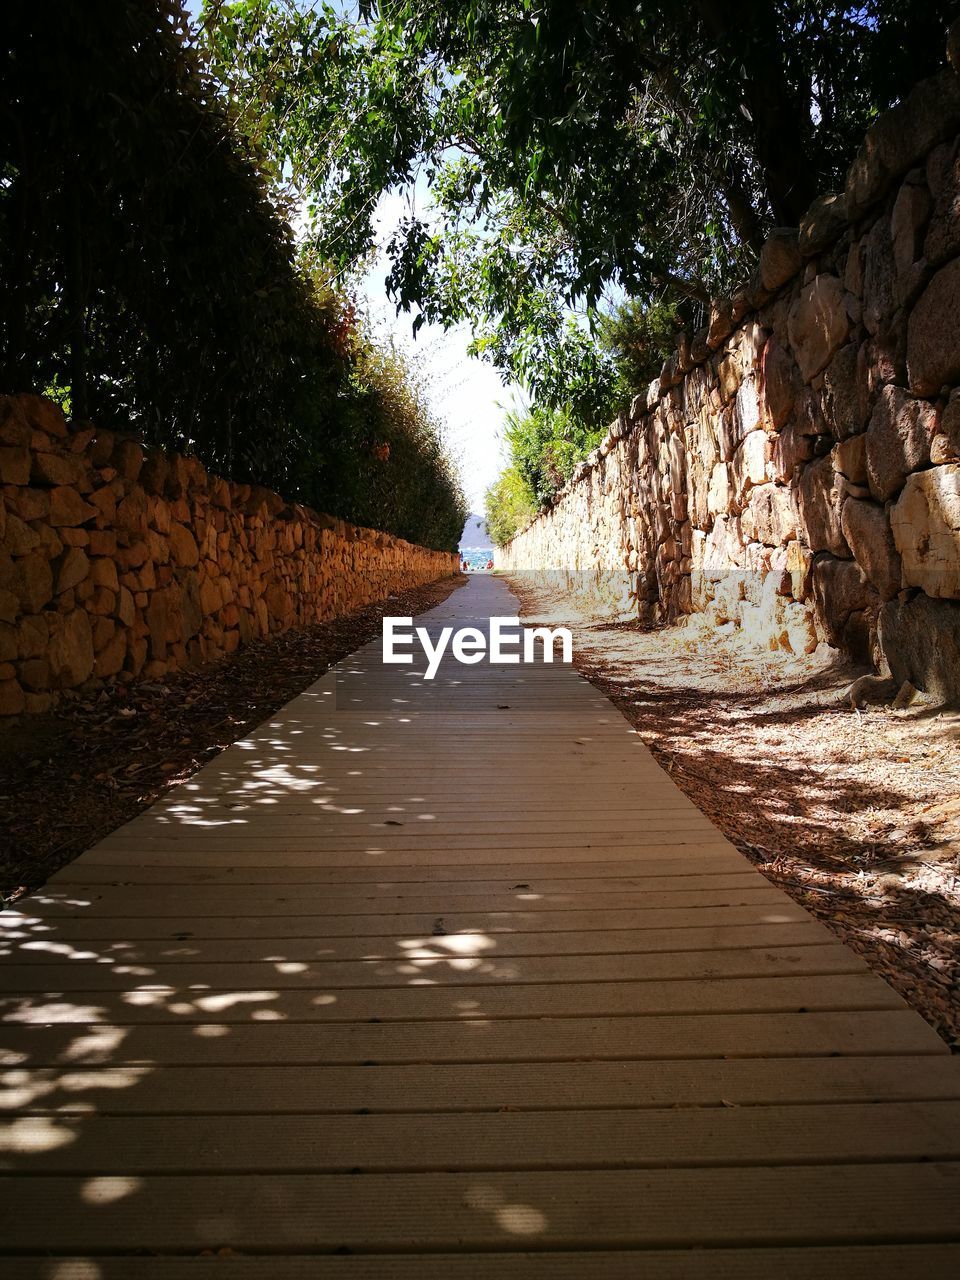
(637, 335)
(144, 265)
(568, 148)
(149, 277)
(508, 505)
(545, 445)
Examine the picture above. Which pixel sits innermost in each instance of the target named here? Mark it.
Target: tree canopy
(565, 149)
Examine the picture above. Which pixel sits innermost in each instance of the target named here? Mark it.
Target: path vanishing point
(449, 981)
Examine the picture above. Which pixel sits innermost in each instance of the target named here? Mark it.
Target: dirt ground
(854, 813)
(68, 778)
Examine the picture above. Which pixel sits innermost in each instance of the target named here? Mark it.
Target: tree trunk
(781, 125)
(76, 300)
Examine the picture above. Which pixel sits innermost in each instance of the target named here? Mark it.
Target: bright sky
(466, 394)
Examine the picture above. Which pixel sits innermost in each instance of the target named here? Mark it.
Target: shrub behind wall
(148, 281)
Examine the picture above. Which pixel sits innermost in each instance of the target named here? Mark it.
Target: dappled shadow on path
(854, 813)
(487, 959)
(137, 742)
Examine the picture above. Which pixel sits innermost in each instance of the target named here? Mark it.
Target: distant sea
(476, 557)
(476, 546)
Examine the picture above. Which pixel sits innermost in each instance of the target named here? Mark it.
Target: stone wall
(121, 563)
(795, 470)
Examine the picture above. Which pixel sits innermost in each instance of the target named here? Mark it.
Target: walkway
(450, 982)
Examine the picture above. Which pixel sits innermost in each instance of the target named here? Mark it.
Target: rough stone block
(769, 516)
(35, 674)
(920, 641)
(110, 659)
(71, 648)
(866, 528)
(950, 424)
(71, 569)
(12, 702)
(926, 528)
(898, 440)
(749, 467)
(908, 219)
(14, 465)
(818, 324)
(820, 497)
(9, 647)
(19, 539)
(34, 582)
(842, 594)
(68, 508)
(901, 137)
(933, 334)
(720, 326)
(942, 240)
(127, 458)
(879, 277)
(720, 494)
(780, 258)
(843, 397)
(43, 415)
(850, 459)
(28, 639)
(823, 223)
(57, 468)
(183, 546)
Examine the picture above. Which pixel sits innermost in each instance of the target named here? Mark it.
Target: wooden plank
(626, 801)
(236, 842)
(92, 976)
(305, 826)
(673, 1139)
(183, 855)
(615, 773)
(381, 1212)
(485, 1087)
(352, 812)
(241, 1003)
(247, 900)
(429, 791)
(421, 926)
(269, 761)
(746, 1035)
(571, 1009)
(569, 873)
(401, 822)
(651, 888)
(612, 773)
(679, 828)
(862, 1262)
(469, 816)
(41, 945)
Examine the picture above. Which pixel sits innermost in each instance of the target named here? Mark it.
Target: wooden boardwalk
(449, 982)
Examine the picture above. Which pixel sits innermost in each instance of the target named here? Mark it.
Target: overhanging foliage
(568, 148)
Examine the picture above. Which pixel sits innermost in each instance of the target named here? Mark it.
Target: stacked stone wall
(795, 470)
(122, 563)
